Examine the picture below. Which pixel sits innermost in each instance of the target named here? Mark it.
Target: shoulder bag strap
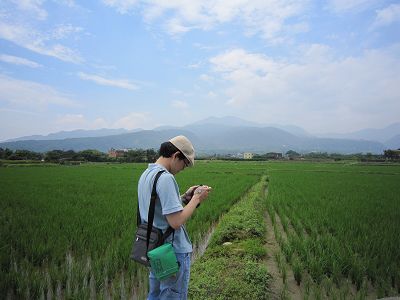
(138, 217)
(150, 216)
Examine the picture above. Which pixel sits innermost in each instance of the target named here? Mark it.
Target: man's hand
(200, 192)
(186, 197)
(196, 189)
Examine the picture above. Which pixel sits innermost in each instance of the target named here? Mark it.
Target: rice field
(338, 226)
(67, 230)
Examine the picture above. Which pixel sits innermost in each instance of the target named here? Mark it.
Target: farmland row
(67, 230)
(337, 227)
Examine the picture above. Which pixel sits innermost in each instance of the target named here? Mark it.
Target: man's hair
(167, 149)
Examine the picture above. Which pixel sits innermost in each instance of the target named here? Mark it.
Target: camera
(186, 201)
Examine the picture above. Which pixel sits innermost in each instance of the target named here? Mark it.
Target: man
(175, 156)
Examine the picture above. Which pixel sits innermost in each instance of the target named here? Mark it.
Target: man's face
(178, 164)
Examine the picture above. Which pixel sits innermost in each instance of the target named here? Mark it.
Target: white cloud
(180, 104)
(211, 95)
(33, 7)
(387, 16)
(340, 6)
(69, 3)
(19, 61)
(324, 90)
(195, 65)
(238, 60)
(122, 6)
(73, 121)
(18, 111)
(133, 120)
(174, 26)
(79, 121)
(28, 93)
(272, 19)
(99, 123)
(22, 23)
(63, 31)
(206, 77)
(119, 83)
(28, 37)
(205, 47)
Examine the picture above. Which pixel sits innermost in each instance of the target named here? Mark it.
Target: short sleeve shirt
(168, 202)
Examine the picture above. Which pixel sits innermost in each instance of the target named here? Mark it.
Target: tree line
(386, 155)
(150, 155)
(69, 156)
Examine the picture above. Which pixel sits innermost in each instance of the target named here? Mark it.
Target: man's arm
(177, 219)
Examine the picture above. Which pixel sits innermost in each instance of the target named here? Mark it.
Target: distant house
(392, 154)
(248, 155)
(274, 155)
(115, 153)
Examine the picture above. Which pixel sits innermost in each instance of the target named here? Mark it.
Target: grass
(71, 227)
(233, 267)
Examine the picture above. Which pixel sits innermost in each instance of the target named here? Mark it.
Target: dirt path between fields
(279, 288)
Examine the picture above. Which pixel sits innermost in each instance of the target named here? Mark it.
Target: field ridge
(233, 265)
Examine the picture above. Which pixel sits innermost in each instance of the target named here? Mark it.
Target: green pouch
(163, 261)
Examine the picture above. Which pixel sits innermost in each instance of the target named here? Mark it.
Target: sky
(326, 66)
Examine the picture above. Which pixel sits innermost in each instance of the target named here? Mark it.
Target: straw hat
(185, 146)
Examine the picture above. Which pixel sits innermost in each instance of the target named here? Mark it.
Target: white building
(248, 155)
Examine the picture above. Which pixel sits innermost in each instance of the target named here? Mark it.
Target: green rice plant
(271, 212)
(316, 270)
(280, 261)
(288, 251)
(278, 235)
(307, 285)
(317, 293)
(284, 294)
(54, 219)
(349, 216)
(327, 286)
(285, 224)
(297, 270)
(297, 226)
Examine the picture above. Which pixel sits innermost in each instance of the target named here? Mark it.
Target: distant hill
(393, 143)
(145, 139)
(237, 122)
(80, 133)
(207, 138)
(371, 134)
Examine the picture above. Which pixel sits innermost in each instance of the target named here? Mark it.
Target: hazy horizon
(272, 125)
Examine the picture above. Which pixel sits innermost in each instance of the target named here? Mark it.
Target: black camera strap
(150, 216)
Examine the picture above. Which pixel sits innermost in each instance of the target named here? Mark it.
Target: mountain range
(217, 135)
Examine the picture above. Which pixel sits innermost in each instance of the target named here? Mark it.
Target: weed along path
(233, 265)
